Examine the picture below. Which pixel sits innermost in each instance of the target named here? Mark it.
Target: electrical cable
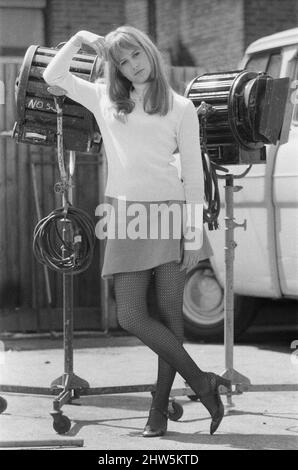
(212, 196)
(64, 240)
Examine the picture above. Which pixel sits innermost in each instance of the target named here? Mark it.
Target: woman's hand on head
(92, 40)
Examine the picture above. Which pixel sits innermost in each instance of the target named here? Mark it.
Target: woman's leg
(132, 311)
(133, 316)
(169, 288)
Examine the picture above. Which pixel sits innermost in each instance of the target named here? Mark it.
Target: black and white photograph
(149, 227)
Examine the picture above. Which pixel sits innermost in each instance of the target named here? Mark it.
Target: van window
(273, 66)
(295, 111)
(265, 62)
(295, 116)
(257, 63)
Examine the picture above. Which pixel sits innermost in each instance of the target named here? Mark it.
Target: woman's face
(135, 65)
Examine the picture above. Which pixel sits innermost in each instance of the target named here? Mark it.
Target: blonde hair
(158, 96)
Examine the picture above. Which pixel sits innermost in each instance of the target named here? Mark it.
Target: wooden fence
(24, 303)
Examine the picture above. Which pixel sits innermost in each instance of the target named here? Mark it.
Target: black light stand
(68, 382)
(240, 383)
(230, 245)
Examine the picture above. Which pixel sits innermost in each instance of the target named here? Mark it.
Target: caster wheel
(3, 404)
(61, 424)
(175, 411)
(193, 397)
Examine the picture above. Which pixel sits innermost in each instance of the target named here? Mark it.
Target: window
(273, 66)
(257, 63)
(295, 96)
(265, 62)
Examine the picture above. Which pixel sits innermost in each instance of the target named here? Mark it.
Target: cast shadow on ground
(257, 441)
(228, 440)
(135, 402)
(94, 341)
(237, 441)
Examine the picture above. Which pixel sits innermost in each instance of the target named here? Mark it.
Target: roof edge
(283, 38)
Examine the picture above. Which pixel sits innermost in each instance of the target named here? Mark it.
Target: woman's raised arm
(57, 72)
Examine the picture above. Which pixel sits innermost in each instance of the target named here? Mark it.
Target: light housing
(245, 111)
(36, 113)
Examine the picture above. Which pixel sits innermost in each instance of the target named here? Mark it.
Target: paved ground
(259, 420)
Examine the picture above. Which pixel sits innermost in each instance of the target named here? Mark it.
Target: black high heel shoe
(157, 423)
(212, 401)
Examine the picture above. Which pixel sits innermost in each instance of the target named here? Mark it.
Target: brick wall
(194, 33)
(201, 33)
(136, 14)
(263, 17)
(210, 34)
(65, 17)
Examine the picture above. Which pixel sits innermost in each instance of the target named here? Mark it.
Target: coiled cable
(64, 240)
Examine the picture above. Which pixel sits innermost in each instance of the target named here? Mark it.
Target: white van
(266, 257)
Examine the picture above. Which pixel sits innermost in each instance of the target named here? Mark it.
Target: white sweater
(140, 151)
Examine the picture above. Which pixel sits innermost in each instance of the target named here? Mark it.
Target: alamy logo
(137, 220)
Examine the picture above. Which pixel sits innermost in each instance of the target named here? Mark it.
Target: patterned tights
(163, 335)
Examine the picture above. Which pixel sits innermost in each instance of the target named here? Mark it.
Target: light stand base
(69, 381)
(236, 379)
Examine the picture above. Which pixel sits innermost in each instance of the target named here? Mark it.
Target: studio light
(239, 112)
(36, 114)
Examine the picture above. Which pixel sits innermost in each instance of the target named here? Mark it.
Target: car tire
(203, 306)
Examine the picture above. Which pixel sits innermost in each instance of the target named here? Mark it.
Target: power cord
(212, 196)
(65, 240)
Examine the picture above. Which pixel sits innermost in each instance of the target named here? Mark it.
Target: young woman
(142, 122)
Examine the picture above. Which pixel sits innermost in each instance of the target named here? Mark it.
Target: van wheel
(203, 306)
